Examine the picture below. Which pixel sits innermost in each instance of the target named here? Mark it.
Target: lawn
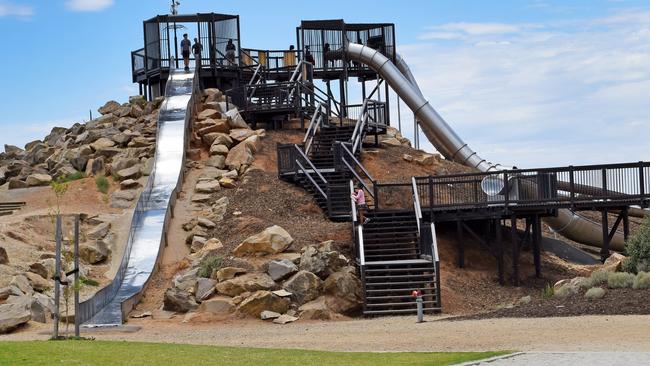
(132, 353)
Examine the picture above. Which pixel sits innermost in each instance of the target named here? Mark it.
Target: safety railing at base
(317, 120)
(91, 306)
(429, 251)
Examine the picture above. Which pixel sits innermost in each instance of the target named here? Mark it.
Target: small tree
(638, 250)
(60, 188)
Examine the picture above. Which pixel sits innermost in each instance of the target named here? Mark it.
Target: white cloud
(8, 8)
(88, 5)
(571, 92)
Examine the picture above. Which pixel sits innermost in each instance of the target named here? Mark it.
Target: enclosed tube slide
(153, 211)
(452, 147)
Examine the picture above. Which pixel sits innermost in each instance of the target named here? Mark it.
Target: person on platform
(197, 49)
(230, 52)
(186, 47)
(309, 58)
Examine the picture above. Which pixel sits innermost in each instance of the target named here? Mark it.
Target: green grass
(132, 353)
(102, 184)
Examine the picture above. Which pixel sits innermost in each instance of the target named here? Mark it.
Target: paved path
(570, 359)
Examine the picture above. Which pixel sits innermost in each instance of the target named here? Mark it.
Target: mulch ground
(615, 302)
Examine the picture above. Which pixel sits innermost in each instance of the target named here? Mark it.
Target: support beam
(461, 244)
(514, 238)
(626, 224)
(499, 244)
(537, 242)
(604, 252)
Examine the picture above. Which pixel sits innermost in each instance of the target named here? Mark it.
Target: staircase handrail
(347, 154)
(301, 154)
(314, 125)
(416, 204)
(436, 262)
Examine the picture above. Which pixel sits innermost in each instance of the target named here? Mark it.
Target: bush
(641, 281)
(102, 184)
(565, 290)
(599, 277)
(71, 177)
(620, 280)
(209, 265)
(595, 293)
(638, 250)
(548, 291)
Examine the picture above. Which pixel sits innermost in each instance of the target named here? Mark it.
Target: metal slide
(153, 211)
(452, 147)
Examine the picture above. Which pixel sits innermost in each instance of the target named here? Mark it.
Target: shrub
(548, 291)
(88, 281)
(638, 250)
(641, 281)
(620, 280)
(565, 290)
(209, 265)
(599, 277)
(102, 184)
(595, 293)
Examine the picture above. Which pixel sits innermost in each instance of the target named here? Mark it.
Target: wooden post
(626, 224)
(57, 269)
(515, 250)
(77, 320)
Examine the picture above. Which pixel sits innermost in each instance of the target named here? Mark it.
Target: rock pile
(121, 143)
(318, 283)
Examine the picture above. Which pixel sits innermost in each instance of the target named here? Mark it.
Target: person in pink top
(359, 198)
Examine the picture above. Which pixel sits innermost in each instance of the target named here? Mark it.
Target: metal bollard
(420, 306)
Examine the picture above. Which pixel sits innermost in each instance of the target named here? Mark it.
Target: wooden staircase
(393, 266)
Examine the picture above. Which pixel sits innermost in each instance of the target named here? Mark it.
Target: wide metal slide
(147, 236)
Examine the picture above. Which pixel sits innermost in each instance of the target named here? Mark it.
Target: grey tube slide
(452, 147)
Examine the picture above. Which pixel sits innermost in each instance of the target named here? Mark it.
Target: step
(398, 276)
(400, 311)
(412, 303)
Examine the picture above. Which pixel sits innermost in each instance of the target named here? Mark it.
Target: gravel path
(571, 358)
(571, 334)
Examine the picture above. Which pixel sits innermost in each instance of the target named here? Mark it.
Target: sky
(531, 83)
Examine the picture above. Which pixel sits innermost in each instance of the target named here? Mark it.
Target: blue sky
(529, 83)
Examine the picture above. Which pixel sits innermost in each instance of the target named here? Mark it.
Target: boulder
(217, 138)
(266, 315)
(36, 180)
(614, 262)
(219, 305)
(186, 281)
(239, 156)
(305, 286)
(426, 160)
(207, 187)
(241, 134)
(15, 183)
(37, 282)
(209, 249)
(219, 149)
(40, 270)
(41, 308)
(129, 184)
(215, 126)
(93, 253)
(246, 283)
(228, 273)
(285, 319)
(15, 314)
(216, 161)
(100, 231)
(123, 199)
(270, 241)
(110, 107)
(4, 257)
(204, 288)
(235, 119)
(138, 100)
(12, 150)
(281, 269)
(253, 143)
(391, 142)
(179, 301)
(227, 182)
(122, 163)
(208, 113)
(50, 266)
(346, 287)
(261, 301)
(22, 283)
(316, 310)
(139, 142)
(102, 143)
(201, 198)
(96, 166)
(134, 172)
(322, 262)
(198, 242)
(203, 222)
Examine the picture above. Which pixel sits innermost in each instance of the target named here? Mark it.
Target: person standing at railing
(309, 58)
(186, 47)
(230, 52)
(359, 198)
(326, 49)
(197, 48)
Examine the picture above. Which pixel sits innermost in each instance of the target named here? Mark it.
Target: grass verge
(134, 353)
